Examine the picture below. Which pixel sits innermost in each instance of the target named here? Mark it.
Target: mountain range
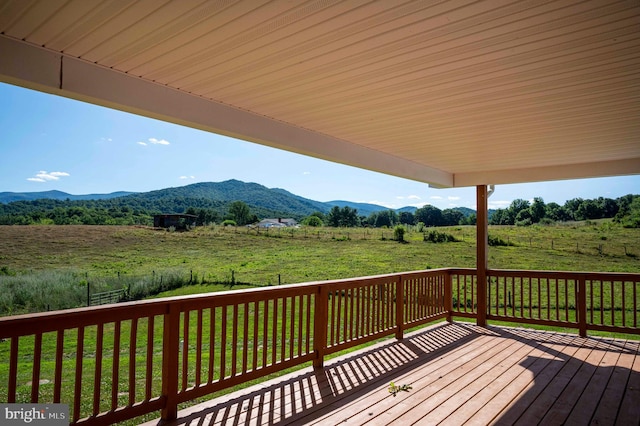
(209, 194)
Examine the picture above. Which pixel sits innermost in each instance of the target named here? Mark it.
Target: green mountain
(128, 207)
(9, 197)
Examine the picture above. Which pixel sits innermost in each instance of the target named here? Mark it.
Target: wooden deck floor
(459, 374)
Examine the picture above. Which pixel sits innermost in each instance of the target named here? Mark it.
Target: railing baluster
(557, 299)
(35, 377)
(256, 320)
(223, 342)
(265, 332)
(283, 330)
(591, 301)
(97, 378)
(624, 322)
(212, 343)
(132, 361)
(274, 332)
(292, 321)
(149, 360)
(245, 338)
(77, 392)
(635, 304)
(115, 370)
(57, 380)
(234, 340)
(613, 311)
(185, 349)
(582, 306)
(353, 301)
(300, 311)
(308, 325)
(13, 370)
(199, 348)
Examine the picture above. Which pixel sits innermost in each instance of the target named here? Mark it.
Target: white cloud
(142, 143)
(44, 176)
(306, 173)
(435, 197)
(499, 204)
(158, 141)
(187, 177)
(452, 198)
(413, 197)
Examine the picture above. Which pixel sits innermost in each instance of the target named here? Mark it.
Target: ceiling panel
(446, 92)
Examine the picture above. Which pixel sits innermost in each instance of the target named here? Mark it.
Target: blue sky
(50, 142)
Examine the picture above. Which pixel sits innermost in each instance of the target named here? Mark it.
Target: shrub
(229, 222)
(398, 233)
(439, 237)
(497, 241)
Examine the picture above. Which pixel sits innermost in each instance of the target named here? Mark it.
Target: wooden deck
(459, 374)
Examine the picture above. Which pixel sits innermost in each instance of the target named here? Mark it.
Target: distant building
(178, 221)
(277, 223)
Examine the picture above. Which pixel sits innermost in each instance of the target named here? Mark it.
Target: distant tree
(608, 206)
(429, 215)
(312, 220)
(524, 218)
(386, 218)
(589, 209)
(537, 210)
(240, 213)
(451, 217)
(406, 218)
(571, 207)
(342, 217)
(555, 211)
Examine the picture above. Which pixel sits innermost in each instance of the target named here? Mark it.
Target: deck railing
(117, 362)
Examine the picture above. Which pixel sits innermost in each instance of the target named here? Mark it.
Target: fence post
(582, 306)
(320, 324)
(400, 308)
(170, 361)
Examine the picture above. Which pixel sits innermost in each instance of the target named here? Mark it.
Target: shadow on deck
(458, 373)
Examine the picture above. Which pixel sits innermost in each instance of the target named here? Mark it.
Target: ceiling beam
(630, 166)
(37, 68)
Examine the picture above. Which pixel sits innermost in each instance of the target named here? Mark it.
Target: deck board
(459, 374)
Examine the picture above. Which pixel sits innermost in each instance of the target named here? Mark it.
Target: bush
(497, 241)
(398, 233)
(439, 237)
(229, 222)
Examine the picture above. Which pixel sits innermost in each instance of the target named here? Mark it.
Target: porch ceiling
(453, 93)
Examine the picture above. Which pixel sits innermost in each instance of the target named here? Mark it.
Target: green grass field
(50, 267)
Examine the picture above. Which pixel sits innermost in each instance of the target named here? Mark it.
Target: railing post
(170, 361)
(320, 324)
(400, 308)
(448, 296)
(582, 306)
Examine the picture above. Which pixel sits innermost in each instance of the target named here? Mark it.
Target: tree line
(139, 211)
(624, 210)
